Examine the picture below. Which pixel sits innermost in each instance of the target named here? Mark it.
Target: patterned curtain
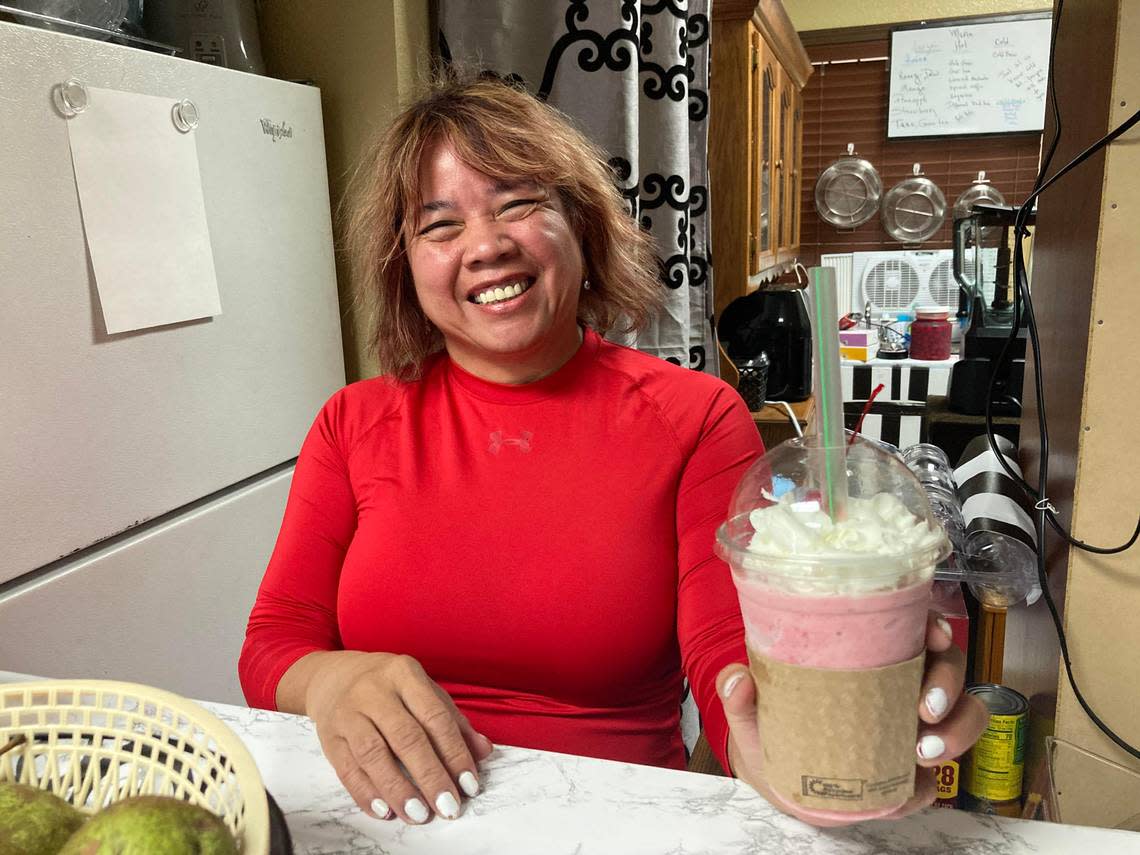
(633, 74)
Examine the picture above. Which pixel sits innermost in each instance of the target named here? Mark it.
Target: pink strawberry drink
(848, 596)
(837, 631)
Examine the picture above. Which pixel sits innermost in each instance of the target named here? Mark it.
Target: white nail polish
(416, 810)
(730, 684)
(944, 625)
(930, 746)
(469, 784)
(380, 808)
(937, 702)
(446, 805)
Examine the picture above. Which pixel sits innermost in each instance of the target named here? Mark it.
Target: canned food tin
(1011, 807)
(994, 767)
(946, 780)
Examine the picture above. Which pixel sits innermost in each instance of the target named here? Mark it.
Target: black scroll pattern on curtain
(657, 190)
(667, 82)
(698, 264)
(697, 36)
(696, 358)
(614, 51)
(622, 170)
(668, 191)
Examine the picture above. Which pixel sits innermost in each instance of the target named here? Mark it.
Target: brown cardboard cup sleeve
(838, 740)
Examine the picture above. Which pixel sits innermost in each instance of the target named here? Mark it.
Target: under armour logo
(522, 441)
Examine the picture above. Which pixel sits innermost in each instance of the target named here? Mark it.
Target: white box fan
(898, 281)
(895, 281)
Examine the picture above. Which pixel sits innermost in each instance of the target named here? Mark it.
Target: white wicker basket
(94, 742)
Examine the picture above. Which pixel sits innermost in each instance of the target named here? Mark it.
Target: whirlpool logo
(277, 130)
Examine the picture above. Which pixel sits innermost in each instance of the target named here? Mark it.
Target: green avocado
(34, 821)
(152, 825)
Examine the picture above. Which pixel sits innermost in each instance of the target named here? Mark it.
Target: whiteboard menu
(969, 79)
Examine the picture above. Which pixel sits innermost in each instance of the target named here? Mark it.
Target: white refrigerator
(143, 474)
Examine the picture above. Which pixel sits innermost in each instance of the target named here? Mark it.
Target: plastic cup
(835, 636)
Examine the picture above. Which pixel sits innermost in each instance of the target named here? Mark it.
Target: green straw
(828, 392)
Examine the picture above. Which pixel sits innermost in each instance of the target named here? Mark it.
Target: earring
(586, 284)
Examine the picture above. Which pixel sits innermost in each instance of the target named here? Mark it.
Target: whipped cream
(879, 525)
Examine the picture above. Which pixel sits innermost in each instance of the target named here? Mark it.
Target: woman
(508, 535)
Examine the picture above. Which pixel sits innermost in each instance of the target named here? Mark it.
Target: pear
(34, 821)
(152, 825)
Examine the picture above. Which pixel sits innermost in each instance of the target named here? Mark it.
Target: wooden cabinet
(796, 175)
(761, 154)
(757, 75)
(791, 167)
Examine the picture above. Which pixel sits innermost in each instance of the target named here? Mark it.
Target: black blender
(988, 324)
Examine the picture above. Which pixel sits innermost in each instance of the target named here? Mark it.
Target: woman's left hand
(949, 721)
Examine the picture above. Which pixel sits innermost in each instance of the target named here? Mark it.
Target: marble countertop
(558, 804)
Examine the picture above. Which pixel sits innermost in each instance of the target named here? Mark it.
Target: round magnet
(71, 97)
(185, 115)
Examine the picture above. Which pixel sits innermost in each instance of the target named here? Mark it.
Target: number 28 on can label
(946, 778)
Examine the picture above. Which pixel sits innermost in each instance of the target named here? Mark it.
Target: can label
(997, 762)
(1010, 808)
(946, 781)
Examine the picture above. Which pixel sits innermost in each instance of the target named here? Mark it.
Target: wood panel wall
(1087, 307)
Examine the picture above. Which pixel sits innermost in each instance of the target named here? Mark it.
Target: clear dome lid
(778, 527)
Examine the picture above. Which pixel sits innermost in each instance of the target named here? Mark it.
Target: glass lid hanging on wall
(847, 193)
(914, 209)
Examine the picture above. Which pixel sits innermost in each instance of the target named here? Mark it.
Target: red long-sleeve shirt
(545, 551)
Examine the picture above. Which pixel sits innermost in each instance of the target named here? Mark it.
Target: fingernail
(730, 684)
(416, 810)
(944, 625)
(930, 746)
(937, 702)
(380, 808)
(469, 784)
(446, 805)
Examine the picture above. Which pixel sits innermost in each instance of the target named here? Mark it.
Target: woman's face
(497, 268)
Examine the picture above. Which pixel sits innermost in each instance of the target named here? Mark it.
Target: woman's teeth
(497, 295)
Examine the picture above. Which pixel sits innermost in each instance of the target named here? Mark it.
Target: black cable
(1099, 550)
(1022, 297)
(1048, 158)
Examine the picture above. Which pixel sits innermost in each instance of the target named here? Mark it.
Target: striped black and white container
(992, 501)
(900, 382)
(900, 423)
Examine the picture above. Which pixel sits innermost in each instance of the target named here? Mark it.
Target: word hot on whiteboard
(966, 79)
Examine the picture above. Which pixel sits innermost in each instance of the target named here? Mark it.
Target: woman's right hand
(395, 738)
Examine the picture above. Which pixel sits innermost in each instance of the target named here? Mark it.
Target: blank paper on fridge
(140, 193)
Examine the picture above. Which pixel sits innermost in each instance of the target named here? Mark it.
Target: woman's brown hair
(505, 133)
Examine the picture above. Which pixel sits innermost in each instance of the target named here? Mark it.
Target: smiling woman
(497, 268)
(491, 144)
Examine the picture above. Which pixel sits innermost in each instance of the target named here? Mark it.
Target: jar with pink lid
(930, 333)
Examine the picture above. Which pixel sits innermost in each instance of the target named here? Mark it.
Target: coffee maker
(981, 233)
(775, 323)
